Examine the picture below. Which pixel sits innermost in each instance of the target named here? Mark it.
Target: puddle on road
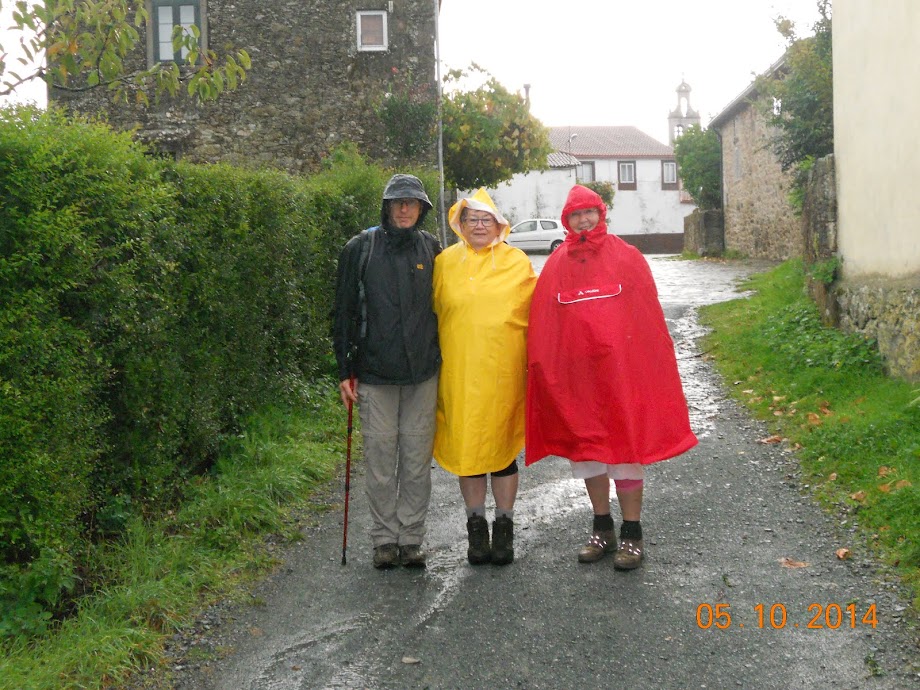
(702, 394)
(694, 284)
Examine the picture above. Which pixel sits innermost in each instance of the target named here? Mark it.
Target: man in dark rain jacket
(386, 345)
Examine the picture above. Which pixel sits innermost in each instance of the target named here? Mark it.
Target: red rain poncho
(602, 376)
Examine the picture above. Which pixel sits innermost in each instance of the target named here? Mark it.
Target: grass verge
(152, 581)
(857, 430)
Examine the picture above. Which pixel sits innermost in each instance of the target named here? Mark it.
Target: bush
(147, 307)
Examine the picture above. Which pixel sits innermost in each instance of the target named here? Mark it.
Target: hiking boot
(477, 530)
(602, 542)
(386, 556)
(412, 556)
(502, 540)
(629, 554)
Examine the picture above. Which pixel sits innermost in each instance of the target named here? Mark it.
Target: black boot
(478, 531)
(502, 541)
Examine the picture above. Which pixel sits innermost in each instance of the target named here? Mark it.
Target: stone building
(321, 70)
(759, 222)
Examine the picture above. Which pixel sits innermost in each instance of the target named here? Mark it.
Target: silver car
(537, 234)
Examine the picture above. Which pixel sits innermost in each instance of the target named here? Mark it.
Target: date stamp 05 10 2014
(822, 617)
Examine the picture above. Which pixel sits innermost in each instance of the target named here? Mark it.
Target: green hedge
(145, 308)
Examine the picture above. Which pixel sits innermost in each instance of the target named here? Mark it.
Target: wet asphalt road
(718, 522)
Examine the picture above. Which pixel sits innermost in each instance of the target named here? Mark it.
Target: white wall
(647, 210)
(539, 194)
(877, 136)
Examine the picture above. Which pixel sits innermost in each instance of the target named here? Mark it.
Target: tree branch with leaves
(80, 45)
(489, 133)
(798, 103)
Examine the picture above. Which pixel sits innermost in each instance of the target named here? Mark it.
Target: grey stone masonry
(759, 222)
(889, 311)
(309, 89)
(704, 233)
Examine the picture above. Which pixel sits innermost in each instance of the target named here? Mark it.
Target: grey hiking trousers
(397, 426)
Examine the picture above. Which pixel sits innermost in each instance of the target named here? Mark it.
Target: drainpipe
(721, 172)
(442, 215)
(721, 185)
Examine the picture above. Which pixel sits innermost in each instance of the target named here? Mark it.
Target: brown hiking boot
(629, 554)
(478, 533)
(412, 556)
(502, 541)
(386, 556)
(602, 542)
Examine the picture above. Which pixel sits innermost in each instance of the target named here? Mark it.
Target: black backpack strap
(427, 242)
(368, 237)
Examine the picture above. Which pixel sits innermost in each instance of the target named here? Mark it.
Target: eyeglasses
(406, 202)
(486, 222)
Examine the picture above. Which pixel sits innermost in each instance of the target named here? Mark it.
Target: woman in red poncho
(603, 388)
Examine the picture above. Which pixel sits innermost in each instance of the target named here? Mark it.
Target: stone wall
(759, 222)
(309, 88)
(885, 309)
(889, 311)
(819, 233)
(704, 233)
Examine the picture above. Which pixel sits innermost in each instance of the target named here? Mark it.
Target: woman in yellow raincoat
(482, 290)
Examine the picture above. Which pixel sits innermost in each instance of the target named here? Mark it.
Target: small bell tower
(683, 116)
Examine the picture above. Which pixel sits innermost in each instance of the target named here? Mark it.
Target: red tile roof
(607, 142)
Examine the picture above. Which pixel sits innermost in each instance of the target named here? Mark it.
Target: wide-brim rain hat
(480, 201)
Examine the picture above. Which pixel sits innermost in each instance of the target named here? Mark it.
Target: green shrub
(147, 307)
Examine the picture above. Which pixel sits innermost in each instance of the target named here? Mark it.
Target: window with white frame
(165, 16)
(626, 175)
(372, 30)
(668, 175)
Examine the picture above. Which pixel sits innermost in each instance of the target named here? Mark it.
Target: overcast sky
(619, 62)
(610, 62)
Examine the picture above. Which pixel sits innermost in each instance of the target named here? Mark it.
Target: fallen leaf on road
(790, 563)
(832, 476)
(859, 496)
(884, 488)
(884, 471)
(843, 553)
(411, 660)
(814, 419)
(771, 439)
(901, 484)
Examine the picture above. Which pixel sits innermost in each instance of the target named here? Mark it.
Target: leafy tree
(85, 43)
(699, 159)
(799, 102)
(409, 112)
(489, 133)
(602, 188)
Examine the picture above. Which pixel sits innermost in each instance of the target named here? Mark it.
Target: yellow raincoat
(482, 299)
